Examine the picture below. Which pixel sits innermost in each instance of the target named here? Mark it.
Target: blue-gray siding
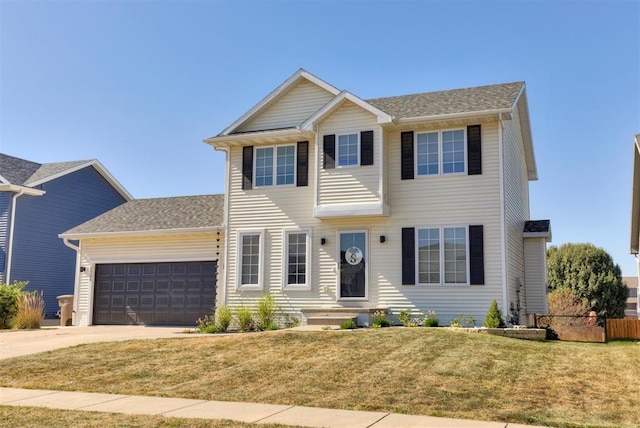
(5, 204)
(39, 256)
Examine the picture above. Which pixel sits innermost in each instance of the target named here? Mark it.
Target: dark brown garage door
(154, 293)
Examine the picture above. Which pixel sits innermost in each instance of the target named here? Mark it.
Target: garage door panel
(154, 293)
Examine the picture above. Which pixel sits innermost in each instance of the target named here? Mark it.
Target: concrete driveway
(16, 343)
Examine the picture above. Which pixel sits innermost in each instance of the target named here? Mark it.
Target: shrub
(30, 310)
(493, 319)
(463, 320)
(205, 323)
(272, 326)
(348, 325)
(380, 320)
(290, 321)
(266, 311)
(245, 319)
(407, 319)
(210, 329)
(223, 319)
(431, 320)
(9, 294)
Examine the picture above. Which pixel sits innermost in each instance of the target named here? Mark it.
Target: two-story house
(335, 203)
(39, 201)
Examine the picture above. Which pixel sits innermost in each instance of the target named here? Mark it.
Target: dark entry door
(154, 293)
(353, 265)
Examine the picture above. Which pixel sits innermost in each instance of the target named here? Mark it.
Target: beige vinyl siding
(147, 249)
(535, 277)
(516, 206)
(353, 184)
(290, 109)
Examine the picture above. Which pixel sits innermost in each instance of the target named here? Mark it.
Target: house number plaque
(353, 256)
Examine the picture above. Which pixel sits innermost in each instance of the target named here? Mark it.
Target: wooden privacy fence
(623, 328)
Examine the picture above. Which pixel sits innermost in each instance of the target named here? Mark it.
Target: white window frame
(285, 260)
(274, 176)
(440, 152)
(357, 134)
(442, 282)
(239, 252)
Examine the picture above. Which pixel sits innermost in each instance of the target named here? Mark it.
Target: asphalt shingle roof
(181, 212)
(22, 172)
(534, 226)
(468, 100)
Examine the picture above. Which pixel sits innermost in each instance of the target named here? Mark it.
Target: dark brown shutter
(406, 157)
(302, 164)
(366, 148)
(247, 167)
(476, 255)
(474, 149)
(329, 148)
(408, 256)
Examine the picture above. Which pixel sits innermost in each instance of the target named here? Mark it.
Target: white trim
(257, 137)
(441, 152)
(300, 73)
(239, 234)
(378, 149)
(535, 234)
(21, 189)
(441, 262)
(464, 115)
(503, 226)
(367, 259)
(274, 176)
(4, 180)
(352, 209)
(543, 248)
(132, 233)
(225, 253)
(335, 102)
(101, 170)
(285, 259)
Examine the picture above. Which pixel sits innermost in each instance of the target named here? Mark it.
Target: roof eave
(448, 116)
(382, 117)
(635, 198)
(133, 233)
(21, 189)
(520, 103)
(229, 140)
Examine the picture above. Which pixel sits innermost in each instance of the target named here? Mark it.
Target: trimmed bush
(266, 311)
(9, 294)
(493, 319)
(348, 325)
(245, 319)
(223, 318)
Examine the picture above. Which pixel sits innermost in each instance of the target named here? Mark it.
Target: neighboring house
(632, 310)
(148, 261)
(39, 201)
(335, 204)
(635, 219)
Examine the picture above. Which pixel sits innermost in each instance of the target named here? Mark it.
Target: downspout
(638, 299)
(76, 281)
(11, 226)
(503, 226)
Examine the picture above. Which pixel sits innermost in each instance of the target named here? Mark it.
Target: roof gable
(302, 93)
(140, 216)
(336, 102)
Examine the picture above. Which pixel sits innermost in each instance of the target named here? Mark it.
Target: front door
(353, 265)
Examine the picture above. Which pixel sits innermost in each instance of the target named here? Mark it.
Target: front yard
(423, 371)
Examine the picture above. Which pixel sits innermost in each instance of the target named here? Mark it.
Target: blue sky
(139, 84)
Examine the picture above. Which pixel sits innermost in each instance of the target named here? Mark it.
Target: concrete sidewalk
(243, 412)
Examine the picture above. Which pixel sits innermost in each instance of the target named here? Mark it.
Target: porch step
(329, 319)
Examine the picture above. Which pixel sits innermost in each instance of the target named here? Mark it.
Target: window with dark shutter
(476, 255)
(408, 256)
(474, 149)
(329, 148)
(406, 157)
(366, 148)
(302, 164)
(247, 167)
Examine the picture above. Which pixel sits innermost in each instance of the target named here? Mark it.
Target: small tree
(9, 294)
(493, 319)
(590, 273)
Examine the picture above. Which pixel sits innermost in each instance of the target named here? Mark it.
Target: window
(250, 250)
(442, 255)
(282, 164)
(297, 260)
(441, 152)
(348, 150)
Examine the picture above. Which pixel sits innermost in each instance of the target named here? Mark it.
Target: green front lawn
(437, 372)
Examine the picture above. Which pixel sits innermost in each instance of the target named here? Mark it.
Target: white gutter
(20, 189)
(506, 112)
(503, 226)
(138, 233)
(222, 297)
(14, 199)
(76, 276)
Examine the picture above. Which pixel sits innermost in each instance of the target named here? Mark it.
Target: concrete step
(332, 319)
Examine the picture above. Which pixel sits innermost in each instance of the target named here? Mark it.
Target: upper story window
(441, 152)
(348, 150)
(278, 168)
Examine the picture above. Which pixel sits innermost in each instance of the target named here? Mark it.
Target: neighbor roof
(176, 214)
(537, 229)
(467, 100)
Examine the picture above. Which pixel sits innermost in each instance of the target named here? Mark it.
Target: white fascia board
(522, 105)
(463, 115)
(536, 234)
(135, 233)
(351, 210)
(25, 190)
(225, 141)
(308, 125)
(101, 170)
(301, 73)
(635, 199)
(3, 180)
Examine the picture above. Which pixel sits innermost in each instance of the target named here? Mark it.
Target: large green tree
(590, 273)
